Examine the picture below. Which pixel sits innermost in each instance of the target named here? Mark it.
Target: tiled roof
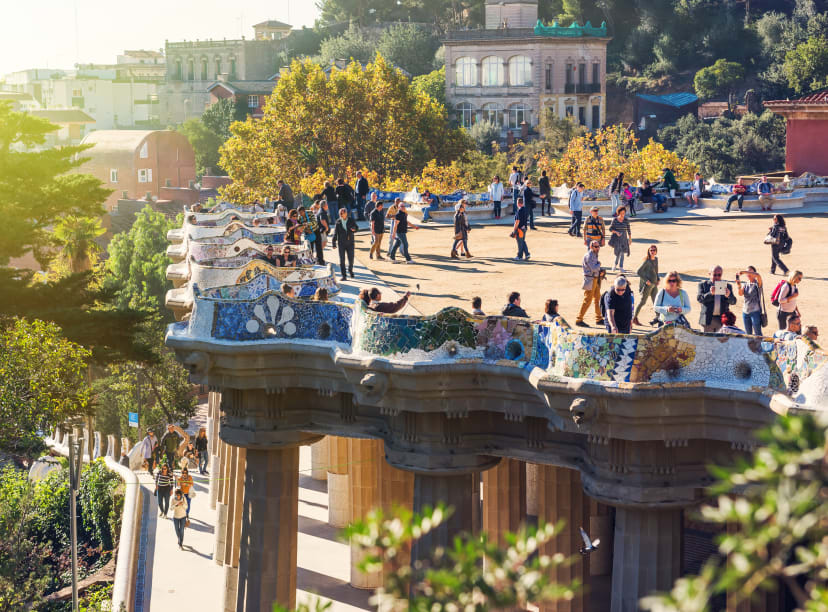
(245, 87)
(69, 115)
(676, 100)
(817, 97)
(272, 23)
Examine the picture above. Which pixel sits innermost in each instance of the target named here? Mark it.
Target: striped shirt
(164, 480)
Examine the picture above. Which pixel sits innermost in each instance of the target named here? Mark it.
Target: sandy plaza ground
(688, 244)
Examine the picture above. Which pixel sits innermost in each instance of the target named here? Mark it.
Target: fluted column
(320, 457)
(647, 554)
(339, 505)
(561, 496)
(232, 542)
(504, 499)
(267, 560)
(453, 490)
(532, 471)
(213, 445)
(365, 496)
(222, 501)
(600, 527)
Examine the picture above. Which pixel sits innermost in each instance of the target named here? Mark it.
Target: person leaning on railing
(371, 298)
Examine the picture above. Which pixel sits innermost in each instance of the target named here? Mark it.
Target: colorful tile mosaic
(209, 236)
(246, 248)
(304, 283)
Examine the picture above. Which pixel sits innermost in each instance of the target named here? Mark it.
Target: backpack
(787, 243)
(604, 297)
(777, 290)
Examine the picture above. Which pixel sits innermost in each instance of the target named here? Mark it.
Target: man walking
(170, 442)
(714, 304)
(519, 230)
(529, 201)
(148, 445)
(669, 182)
(576, 209)
(362, 188)
(515, 179)
(592, 285)
(401, 232)
(545, 189)
(618, 304)
(344, 233)
(377, 220)
(594, 228)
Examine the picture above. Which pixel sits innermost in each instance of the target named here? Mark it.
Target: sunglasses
(672, 280)
(717, 275)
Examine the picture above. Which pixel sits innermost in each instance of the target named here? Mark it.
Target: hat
(594, 208)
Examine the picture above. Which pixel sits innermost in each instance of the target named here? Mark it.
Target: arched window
(465, 72)
(218, 67)
(492, 71)
(203, 68)
(492, 112)
(520, 70)
(465, 114)
(233, 68)
(178, 70)
(191, 70)
(518, 113)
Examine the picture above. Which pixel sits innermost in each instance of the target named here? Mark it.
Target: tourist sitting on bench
(739, 190)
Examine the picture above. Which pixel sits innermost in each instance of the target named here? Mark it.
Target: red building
(251, 94)
(807, 132)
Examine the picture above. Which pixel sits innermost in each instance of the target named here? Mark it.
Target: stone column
(561, 496)
(477, 510)
(232, 543)
(222, 500)
(600, 527)
(339, 506)
(267, 559)
(504, 499)
(761, 601)
(320, 457)
(647, 554)
(453, 490)
(396, 490)
(532, 471)
(365, 496)
(214, 447)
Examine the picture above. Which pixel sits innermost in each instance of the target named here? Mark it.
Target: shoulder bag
(763, 317)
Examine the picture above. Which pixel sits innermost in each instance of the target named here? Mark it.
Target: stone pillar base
(231, 587)
(320, 458)
(214, 476)
(221, 533)
(454, 490)
(532, 470)
(339, 507)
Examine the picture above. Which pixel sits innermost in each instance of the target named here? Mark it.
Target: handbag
(771, 239)
(763, 317)
(192, 493)
(458, 236)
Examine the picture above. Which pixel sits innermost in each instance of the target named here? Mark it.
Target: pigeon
(589, 545)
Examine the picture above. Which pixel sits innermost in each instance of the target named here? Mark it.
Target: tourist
(477, 303)
(286, 196)
(285, 259)
(179, 508)
(519, 231)
(461, 230)
(320, 295)
(430, 204)
(738, 190)
(575, 209)
(515, 180)
(550, 311)
(329, 195)
(373, 299)
(281, 214)
(594, 228)
(787, 296)
(323, 219)
(391, 215)
(713, 304)
(753, 305)
(615, 191)
(512, 308)
(545, 191)
(371, 205)
(812, 333)
(287, 291)
(361, 188)
(377, 221)
(620, 238)
(792, 329)
(314, 229)
(163, 487)
(293, 230)
(185, 484)
(592, 285)
(124, 460)
(618, 306)
(496, 194)
(310, 233)
(170, 442)
(778, 239)
(628, 198)
(695, 193)
(344, 239)
(729, 324)
(257, 222)
(765, 191)
(672, 304)
(669, 182)
(268, 256)
(148, 446)
(201, 450)
(401, 228)
(529, 201)
(647, 195)
(188, 454)
(344, 196)
(648, 283)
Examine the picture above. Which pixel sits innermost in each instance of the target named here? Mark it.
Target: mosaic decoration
(303, 288)
(201, 253)
(662, 352)
(260, 238)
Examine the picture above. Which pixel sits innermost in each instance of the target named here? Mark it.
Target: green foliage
(218, 117)
(727, 148)
(352, 44)
(300, 43)
(457, 13)
(205, 144)
(774, 504)
(42, 382)
(100, 497)
(409, 46)
(483, 133)
(718, 79)
(806, 66)
(432, 84)
(75, 236)
(472, 573)
(35, 188)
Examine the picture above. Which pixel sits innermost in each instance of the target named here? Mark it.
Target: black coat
(342, 236)
(362, 188)
(708, 300)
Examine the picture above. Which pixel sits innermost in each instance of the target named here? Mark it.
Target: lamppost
(75, 462)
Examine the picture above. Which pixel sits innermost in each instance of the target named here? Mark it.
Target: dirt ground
(688, 245)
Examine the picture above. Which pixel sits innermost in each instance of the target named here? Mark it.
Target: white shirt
(513, 179)
(496, 191)
(784, 334)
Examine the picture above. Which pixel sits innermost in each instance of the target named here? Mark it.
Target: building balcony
(582, 88)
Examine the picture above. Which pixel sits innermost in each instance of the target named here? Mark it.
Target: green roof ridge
(575, 29)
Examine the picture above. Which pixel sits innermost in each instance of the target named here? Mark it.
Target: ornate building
(515, 67)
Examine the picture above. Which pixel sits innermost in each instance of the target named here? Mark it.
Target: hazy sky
(41, 33)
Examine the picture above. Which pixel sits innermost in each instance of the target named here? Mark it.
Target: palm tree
(76, 237)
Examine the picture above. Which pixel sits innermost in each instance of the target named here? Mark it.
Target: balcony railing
(582, 88)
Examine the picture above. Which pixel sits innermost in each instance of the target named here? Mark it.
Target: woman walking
(201, 449)
(391, 215)
(179, 508)
(615, 191)
(621, 237)
(648, 285)
(777, 237)
(163, 488)
(185, 485)
(788, 294)
(753, 306)
(672, 303)
(461, 231)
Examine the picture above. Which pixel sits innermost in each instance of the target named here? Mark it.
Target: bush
(101, 503)
(483, 133)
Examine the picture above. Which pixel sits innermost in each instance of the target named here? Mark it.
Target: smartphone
(720, 287)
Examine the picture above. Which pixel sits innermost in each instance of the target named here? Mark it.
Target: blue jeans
(616, 202)
(202, 461)
(739, 198)
(575, 227)
(523, 250)
(753, 323)
(497, 209)
(179, 529)
(427, 209)
(515, 194)
(402, 243)
(660, 200)
(360, 204)
(531, 208)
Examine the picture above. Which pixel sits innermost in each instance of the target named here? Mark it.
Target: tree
(806, 66)
(75, 236)
(42, 382)
(352, 45)
(484, 133)
(205, 144)
(432, 84)
(720, 78)
(219, 116)
(357, 117)
(410, 47)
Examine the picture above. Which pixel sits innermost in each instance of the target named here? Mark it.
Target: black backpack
(604, 303)
(787, 243)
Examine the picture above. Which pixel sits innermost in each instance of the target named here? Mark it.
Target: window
(570, 111)
(142, 175)
(218, 67)
(520, 70)
(77, 93)
(596, 116)
(113, 175)
(581, 74)
(465, 72)
(233, 68)
(178, 71)
(570, 69)
(492, 71)
(144, 152)
(518, 113)
(582, 115)
(204, 69)
(190, 70)
(548, 77)
(596, 72)
(493, 113)
(252, 101)
(465, 114)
